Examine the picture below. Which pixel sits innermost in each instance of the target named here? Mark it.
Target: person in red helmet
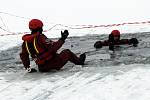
(114, 39)
(44, 51)
(115, 34)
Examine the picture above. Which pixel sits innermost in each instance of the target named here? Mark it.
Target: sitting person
(44, 51)
(114, 40)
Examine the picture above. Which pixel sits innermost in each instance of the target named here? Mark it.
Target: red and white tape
(78, 27)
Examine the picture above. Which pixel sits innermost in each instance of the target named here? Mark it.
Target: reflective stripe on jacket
(39, 54)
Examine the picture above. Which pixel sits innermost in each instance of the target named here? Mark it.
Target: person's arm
(100, 44)
(51, 45)
(57, 45)
(24, 56)
(132, 41)
(124, 41)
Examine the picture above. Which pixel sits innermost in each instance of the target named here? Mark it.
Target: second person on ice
(114, 40)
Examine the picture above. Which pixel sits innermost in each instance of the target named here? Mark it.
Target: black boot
(82, 58)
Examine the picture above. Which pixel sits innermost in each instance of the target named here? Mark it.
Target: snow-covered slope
(124, 77)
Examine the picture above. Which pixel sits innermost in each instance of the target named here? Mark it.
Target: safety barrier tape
(67, 26)
(109, 25)
(77, 27)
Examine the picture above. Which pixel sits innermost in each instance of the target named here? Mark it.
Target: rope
(4, 23)
(73, 27)
(14, 15)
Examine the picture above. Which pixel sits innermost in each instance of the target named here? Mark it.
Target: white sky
(75, 11)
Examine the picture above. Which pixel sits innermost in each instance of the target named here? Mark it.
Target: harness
(39, 54)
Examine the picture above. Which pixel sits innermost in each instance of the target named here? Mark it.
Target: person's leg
(66, 55)
(61, 59)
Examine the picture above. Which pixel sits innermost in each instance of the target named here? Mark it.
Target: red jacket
(43, 44)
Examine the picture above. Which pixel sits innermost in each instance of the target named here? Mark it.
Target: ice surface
(125, 77)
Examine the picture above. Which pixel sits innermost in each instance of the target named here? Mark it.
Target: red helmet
(115, 33)
(35, 24)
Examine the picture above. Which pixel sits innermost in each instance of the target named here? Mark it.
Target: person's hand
(31, 70)
(133, 41)
(98, 44)
(64, 35)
